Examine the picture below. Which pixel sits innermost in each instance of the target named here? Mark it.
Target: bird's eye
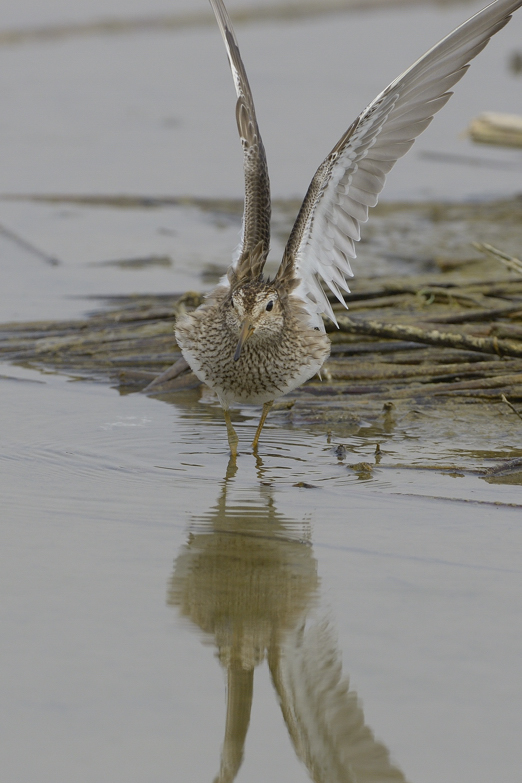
(232, 303)
(269, 305)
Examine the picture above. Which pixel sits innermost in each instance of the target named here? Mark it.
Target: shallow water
(130, 557)
(139, 571)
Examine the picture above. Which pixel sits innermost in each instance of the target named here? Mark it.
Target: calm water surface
(164, 612)
(140, 575)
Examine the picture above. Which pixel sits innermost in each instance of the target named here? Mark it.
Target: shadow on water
(248, 579)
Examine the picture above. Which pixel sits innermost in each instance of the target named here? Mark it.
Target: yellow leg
(233, 440)
(231, 468)
(266, 408)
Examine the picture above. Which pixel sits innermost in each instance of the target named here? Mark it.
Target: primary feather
(349, 180)
(255, 235)
(324, 717)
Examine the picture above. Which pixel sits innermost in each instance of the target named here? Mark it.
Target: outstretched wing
(255, 237)
(324, 717)
(352, 176)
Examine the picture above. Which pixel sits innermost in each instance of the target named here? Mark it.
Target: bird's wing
(350, 179)
(324, 717)
(255, 236)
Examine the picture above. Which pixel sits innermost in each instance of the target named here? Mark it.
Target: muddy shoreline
(446, 341)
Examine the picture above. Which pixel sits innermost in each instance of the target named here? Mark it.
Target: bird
(255, 339)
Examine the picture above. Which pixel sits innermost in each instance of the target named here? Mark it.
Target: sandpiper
(255, 339)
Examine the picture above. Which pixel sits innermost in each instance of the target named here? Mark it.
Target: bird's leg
(233, 440)
(266, 408)
(231, 468)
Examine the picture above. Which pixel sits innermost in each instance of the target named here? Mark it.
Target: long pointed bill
(244, 334)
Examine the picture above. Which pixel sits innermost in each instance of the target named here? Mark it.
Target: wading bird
(255, 339)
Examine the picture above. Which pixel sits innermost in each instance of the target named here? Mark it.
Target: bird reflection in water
(247, 578)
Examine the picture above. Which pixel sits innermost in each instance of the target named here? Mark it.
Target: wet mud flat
(430, 353)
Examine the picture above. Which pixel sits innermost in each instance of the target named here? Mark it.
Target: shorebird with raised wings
(255, 339)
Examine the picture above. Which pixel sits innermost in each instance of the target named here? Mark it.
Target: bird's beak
(244, 334)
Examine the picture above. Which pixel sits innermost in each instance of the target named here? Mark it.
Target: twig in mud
(170, 374)
(503, 467)
(511, 331)
(432, 337)
(467, 160)
(425, 372)
(404, 389)
(505, 399)
(6, 232)
(495, 128)
(510, 261)
(474, 315)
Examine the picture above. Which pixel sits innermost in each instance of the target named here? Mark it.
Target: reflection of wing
(324, 718)
(256, 217)
(352, 176)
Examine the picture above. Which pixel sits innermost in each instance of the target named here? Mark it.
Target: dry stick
(510, 261)
(427, 387)
(433, 337)
(353, 371)
(505, 399)
(503, 467)
(468, 160)
(170, 374)
(6, 232)
(474, 315)
(511, 331)
(51, 349)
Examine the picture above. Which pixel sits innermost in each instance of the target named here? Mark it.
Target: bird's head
(254, 311)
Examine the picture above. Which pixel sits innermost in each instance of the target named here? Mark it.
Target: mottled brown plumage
(254, 340)
(251, 343)
(281, 353)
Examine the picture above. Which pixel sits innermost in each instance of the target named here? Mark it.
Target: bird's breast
(266, 368)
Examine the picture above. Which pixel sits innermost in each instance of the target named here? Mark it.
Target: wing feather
(255, 235)
(346, 223)
(350, 179)
(323, 714)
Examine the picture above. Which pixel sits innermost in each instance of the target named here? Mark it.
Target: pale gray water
(106, 498)
(102, 681)
(153, 113)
